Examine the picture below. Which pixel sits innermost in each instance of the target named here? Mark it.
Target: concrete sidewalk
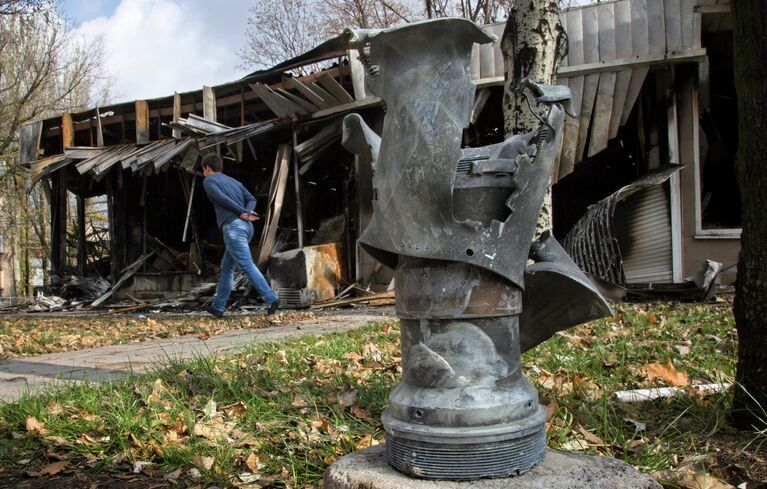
(31, 374)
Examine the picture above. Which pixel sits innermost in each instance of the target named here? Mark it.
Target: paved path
(113, 362)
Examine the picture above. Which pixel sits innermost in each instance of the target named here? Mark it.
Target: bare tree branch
(43, 71)
(282, 29)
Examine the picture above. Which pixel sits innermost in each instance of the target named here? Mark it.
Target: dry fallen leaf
(139, 465)
(353, 356)
(574, 445)
(633, 445)
(243, 439)
(234, 410)
(701, 480)
(158, 391)
(365, 442)
(35, 426)
(55, 409)
(361, 413)
(299, 402)
(373, 352)
(50, 469)
(86, 440)
(591, 437)
(281, 357)
(57, 441)
(576, 341)
(136, 442)
(85, 416)
(667, 373)
(174, 476)
(252, 463)
(210, 410)
(551, 410)
(202, 462)
(215, 430)
(171, 436)
(554, 382)
(689, 477)
(348, 396)
(249, 481)
(194, 474)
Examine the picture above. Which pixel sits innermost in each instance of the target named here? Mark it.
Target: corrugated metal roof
(134, 156)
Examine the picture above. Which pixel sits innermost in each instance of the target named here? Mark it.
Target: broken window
(718, 193)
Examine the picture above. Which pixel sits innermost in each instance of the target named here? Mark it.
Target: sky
(154, 48)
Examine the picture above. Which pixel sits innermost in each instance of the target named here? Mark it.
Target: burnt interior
(112, 221)
(719, 192)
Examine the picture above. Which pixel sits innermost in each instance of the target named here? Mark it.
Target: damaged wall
(697, 247)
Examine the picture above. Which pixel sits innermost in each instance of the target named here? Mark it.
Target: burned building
(643, 186)
(644, 191)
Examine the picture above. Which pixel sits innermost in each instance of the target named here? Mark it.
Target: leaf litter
(302, 404)
(26, 335)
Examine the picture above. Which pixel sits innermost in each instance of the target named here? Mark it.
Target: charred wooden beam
(334, 88)
(81, 250)
(209, 103)
(176, 113)
(67, 132)
(274, 207)
(99, 129)
(297, 187)
(59, 223)
(142, 122)
(113, 263)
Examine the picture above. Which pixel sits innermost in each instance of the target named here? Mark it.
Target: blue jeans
(237, 235)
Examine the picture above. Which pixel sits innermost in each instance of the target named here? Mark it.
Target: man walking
(235, 215)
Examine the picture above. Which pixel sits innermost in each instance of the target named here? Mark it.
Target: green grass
(293, 417)
(309, 401)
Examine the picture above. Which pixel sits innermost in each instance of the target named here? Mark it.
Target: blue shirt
(230, 198)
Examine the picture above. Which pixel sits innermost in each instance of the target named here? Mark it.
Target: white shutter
(643, 229)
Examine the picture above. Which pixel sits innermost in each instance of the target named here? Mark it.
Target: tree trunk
(27, 272)
(750, 43)
(532, 45)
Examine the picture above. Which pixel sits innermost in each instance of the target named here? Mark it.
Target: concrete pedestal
(368, 469)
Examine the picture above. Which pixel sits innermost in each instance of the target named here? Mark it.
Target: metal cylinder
(463, 410)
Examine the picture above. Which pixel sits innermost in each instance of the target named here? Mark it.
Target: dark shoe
(273, 307)
(213, 312)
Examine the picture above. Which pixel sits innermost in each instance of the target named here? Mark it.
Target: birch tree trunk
(750, 43)
(533, 43)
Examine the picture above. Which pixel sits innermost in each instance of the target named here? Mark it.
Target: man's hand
(250, 216)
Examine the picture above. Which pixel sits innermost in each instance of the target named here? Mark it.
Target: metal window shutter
(643, 229)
